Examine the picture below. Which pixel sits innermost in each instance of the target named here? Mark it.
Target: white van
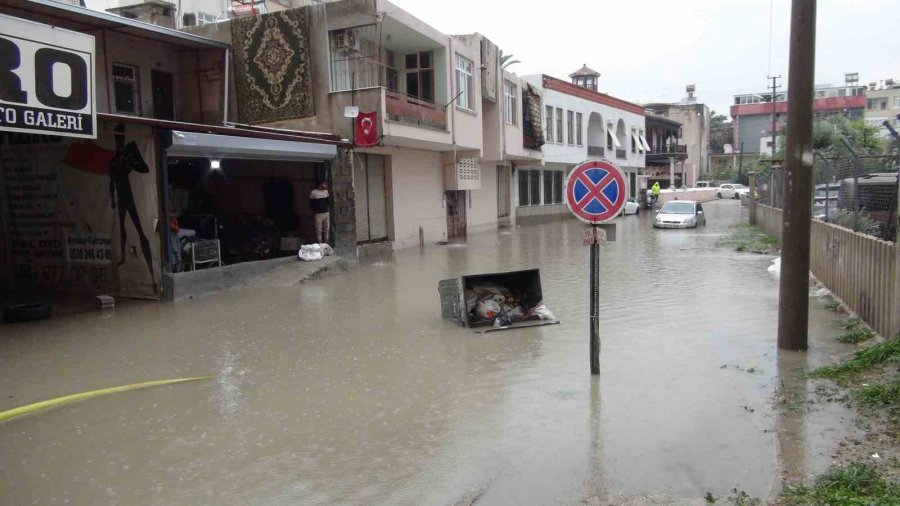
(704, 184)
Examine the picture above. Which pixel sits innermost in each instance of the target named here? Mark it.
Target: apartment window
(553, 187)
(420, 75)
(465, 71)
(609, 138)
(633, 142)
(896, 102)
(870, 104)
(509, 94)
(578, 129)
(529, 187)
(391, 80)
(570, 126)
(842, 92)
(641, 144)
(559, 126)
(548, 129)
(126, 88)
(204, 18)
(884, 104)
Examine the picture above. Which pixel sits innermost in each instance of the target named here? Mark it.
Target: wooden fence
(859, 269)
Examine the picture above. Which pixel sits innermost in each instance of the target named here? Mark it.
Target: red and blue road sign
(595, 191)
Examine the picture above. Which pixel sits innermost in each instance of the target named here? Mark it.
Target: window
(529, 187)
(842, 92)
(884, 104)
(548, 129)
(609, 137)
(633, 141)
(578, 129)
(896, 102)
(570, 126)
(389, 59)
(420, 75)
(553, 187)
(126, 88)
(558, 187)
(548, 187)
(509, 93)
(559, 125)
(204, 18)
(870, 104)
(464, 83)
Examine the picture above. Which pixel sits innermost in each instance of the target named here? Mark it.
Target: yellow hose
(68, 399)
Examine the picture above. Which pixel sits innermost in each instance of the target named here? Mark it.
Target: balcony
(662, 153)
(409, 109)
(621, 154)
(596, 151)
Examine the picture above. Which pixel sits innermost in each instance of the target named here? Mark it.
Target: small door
(456, 214)
(163, 95)
(502, 192)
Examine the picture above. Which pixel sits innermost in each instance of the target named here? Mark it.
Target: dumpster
(500, 300)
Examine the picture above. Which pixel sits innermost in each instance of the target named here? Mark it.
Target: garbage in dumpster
(499, 300)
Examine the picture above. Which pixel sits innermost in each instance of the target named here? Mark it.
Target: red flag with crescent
(366, 129)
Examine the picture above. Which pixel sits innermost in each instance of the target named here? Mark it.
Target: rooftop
(585, 71)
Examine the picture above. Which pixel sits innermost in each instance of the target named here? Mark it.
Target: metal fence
(856, 192)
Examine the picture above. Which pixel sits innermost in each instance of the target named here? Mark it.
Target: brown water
(352, 390)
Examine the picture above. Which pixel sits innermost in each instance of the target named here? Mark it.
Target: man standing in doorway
(320, 201)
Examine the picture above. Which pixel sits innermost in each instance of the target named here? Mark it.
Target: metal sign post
(595, 194)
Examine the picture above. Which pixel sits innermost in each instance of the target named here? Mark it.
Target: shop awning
(612, 135)
(644, 142)
(248, 148)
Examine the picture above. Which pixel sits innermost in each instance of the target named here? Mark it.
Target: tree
(506, 59)
(720, 132)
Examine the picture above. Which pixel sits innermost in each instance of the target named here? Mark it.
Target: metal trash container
(452, 293)
(745, 199)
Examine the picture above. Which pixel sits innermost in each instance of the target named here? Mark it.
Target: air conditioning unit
(346, 40)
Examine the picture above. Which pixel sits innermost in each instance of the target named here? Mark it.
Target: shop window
(126, 88)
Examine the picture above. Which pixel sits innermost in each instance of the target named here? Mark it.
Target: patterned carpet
(272, 66)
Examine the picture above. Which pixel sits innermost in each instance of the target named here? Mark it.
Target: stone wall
(533, 136)
(343, 218)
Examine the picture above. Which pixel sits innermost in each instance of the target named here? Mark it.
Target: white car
(731, 191)
(631, 207)
(680, 214)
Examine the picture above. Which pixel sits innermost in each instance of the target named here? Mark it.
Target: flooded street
(352, 390)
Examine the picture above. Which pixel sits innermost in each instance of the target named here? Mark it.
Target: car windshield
(677, 208)
(739, 187)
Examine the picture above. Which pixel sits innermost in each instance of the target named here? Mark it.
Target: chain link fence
(855, 192)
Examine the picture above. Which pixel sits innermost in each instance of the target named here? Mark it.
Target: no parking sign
(595, 191)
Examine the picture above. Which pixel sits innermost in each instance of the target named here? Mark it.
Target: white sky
(648, 50)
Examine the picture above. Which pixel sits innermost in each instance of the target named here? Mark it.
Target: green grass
(880, 396)
(749, 238)
(855, 484)
(856, 335)
(883, 353)
(850, 323)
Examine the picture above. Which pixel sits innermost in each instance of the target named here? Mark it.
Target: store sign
(88, 248)
(47, 80)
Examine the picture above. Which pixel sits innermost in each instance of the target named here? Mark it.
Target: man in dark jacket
(320, 202)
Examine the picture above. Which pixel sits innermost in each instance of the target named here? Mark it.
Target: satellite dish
(351, 111)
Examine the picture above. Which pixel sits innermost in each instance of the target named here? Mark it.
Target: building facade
(694, 119)
(578, 124)
(752, 114)
(883, 104)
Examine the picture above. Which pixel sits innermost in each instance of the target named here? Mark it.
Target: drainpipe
(226, 86)
(672, 173)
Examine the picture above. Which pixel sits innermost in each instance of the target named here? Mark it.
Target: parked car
(731, 191)
(704, 184)
(631, 207)
(680, 214)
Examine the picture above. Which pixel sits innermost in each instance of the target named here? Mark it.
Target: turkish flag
(366, 129)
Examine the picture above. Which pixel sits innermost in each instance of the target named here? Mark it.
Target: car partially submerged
(680, 214)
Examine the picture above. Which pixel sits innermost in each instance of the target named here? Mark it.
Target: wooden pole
(793, 308)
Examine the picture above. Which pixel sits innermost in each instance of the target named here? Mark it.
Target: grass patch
(749, 238)
(855, 484)
(856, 331)
(833, 306)
(850, 323)
(880, 396)
(883, 353)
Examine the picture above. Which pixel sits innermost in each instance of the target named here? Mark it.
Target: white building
(579, 124)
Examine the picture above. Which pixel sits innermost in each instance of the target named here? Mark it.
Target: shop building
(165, 182)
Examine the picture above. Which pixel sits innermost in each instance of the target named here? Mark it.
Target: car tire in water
(719, 195)
(28, 312)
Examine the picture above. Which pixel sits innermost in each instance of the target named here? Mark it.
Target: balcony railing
(621, 153)
(596, 151)
(667, 149)
(412, 109)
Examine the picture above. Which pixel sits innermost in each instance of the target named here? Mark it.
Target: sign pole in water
(595, 194)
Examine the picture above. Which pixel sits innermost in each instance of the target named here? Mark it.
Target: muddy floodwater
(351, 389)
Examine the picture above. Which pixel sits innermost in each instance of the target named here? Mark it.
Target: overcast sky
(648, 50)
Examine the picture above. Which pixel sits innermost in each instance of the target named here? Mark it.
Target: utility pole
(774, 87)
(793, 307)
